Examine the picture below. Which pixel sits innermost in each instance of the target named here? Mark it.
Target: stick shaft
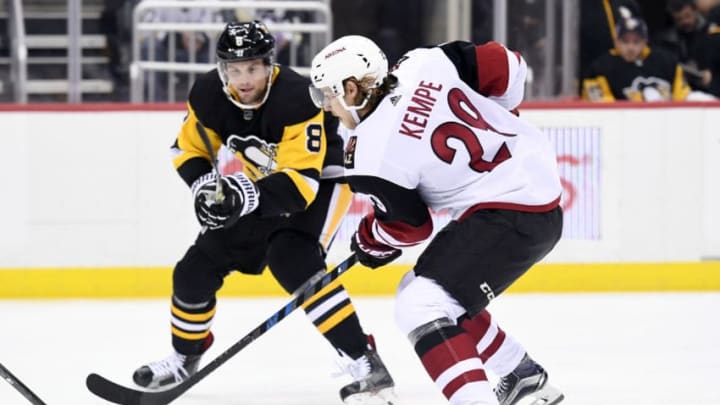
(118, 394)
(213, 160)
(18, 385)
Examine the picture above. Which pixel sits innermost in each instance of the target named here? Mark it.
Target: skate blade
(385, 396)
(547, 395)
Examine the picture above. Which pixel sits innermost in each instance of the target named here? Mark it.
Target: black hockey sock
(191, 326)
(333, 314)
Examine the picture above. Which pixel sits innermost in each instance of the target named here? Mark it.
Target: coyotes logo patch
(349, 161)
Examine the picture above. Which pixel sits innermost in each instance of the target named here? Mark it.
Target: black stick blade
(112, 392)
(118, 394)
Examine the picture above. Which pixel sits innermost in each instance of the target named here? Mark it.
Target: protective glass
(222, 72)
(227, 72)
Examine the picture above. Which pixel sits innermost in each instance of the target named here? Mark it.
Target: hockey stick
(118, 394)
(18, 385)
(206, 140)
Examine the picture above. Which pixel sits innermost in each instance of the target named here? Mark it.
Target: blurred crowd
(650, 52)
(397, 25)
(641, 50)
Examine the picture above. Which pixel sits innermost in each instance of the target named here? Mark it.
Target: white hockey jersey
(436, 142)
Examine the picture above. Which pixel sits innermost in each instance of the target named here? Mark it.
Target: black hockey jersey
(285, 145)
(712, 56)
(655, 77)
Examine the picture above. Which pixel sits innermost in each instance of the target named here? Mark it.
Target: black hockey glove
(370, 252)
(240, 196)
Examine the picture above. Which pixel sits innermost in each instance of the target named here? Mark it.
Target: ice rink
(600, 349)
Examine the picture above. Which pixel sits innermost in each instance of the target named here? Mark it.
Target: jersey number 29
(466, 112)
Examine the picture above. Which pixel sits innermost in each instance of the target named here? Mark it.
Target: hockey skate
(373, 384)
(170, 371)
(528, 379)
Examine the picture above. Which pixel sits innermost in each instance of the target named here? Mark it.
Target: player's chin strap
(231, 97)
(355, 108)
(355, 116)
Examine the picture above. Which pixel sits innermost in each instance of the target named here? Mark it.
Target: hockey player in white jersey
(438, 133)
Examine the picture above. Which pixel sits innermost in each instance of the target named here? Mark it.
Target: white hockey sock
(500, 352)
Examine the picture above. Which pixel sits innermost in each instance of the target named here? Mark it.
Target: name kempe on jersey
(436, 142)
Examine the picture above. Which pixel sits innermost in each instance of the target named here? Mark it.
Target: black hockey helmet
(242, 41)
(245, 40)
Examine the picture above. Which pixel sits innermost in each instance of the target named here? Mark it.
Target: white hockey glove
(370, 252)
(240, 197)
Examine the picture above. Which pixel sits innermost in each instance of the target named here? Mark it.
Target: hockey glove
(370, 252)
(240, 197)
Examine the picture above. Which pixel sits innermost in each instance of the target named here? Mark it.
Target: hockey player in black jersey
(282, 210)
(633, 71)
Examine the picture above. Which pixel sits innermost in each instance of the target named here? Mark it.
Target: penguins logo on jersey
(259, 155)
(648, 89)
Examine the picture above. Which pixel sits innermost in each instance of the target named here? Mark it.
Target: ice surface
(600, 349)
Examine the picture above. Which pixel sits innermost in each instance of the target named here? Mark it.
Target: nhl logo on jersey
(349, 161)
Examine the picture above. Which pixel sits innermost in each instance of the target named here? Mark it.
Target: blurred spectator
(189, 46)
(116, 25)
(712, 53)
(597, 27)
(526, 34)
(632, 71)
(395, 26)
(687, 40)
(706, 6)
(481, 21)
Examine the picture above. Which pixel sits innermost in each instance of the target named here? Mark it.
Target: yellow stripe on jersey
(681, 89)
(339, 205)
(190, 142)
(189, 335)
(645, 52)
(336, 318)
(597, 89)
(303, 147)
(320, 293)
(307, 187)
(204, 317)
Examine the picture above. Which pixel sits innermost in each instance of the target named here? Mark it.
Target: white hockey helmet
(351, 56)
